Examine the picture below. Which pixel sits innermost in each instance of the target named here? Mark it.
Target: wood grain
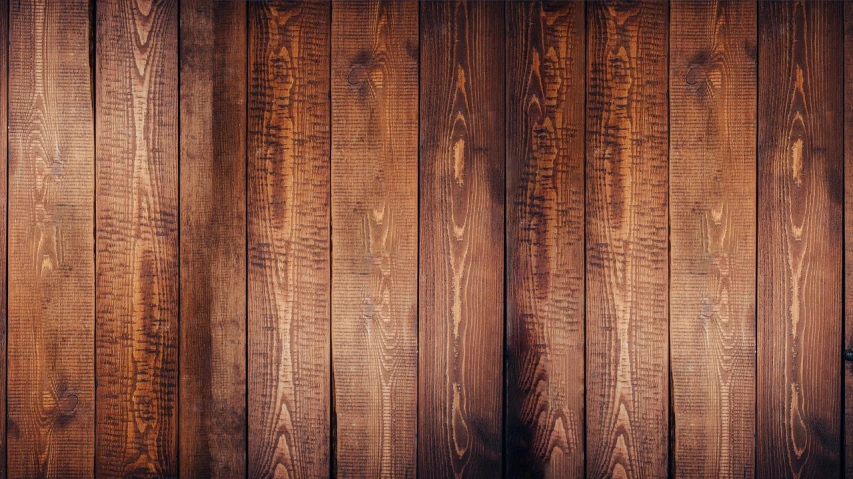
(848, 240)
(288, 237)
(626, 224)
(545, 239)
(51, 261)
(4, 90)
(800, 124)
(462, 236)
(375, 236)
(137, 238)
(712, 213)
(213, 57)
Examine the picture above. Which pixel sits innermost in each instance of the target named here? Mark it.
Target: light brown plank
(545, 239)
(713, 205)
(288, 237)
(137, 238)
(461, 239)
(213, 239)
(375, 236)
(626, 224)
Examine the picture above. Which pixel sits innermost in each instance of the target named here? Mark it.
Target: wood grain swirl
(627, 383)
(288, 238)
(375, 236)
(800, 123)
(545, 239)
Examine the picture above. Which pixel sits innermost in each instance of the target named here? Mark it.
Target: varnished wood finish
(626, 225)
(213, 239)
(461, 239)
(848, 240)
(51, 386)
(545, 239)
(800, 196)
(137, 238)
(288, 238)
(4, 90)
(712, 213)
(375, 236)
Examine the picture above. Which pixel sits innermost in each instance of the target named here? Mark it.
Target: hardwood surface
(136, 218)
(375, 236)
(288, 239)
(848, 243)
(713, 225)
(801, 192)
(4, 97)
(212, 413)
(545, 68)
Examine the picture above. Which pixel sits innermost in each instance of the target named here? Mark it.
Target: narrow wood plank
(800, 128)
(545, 239)
(137, 238)
(4, 90)
(375, 236)
(51, 385)
(462, 236)
(848, 239)
(712, 260)
(626, 223)
(288, 237)
(212, 416)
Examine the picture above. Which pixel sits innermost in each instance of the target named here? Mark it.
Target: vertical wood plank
(545, 239)
(848, 239)
(4, 90)
(213, 56)
(800, 128)
(713, 205)
(288, 237)
(51, 261)
(375, 236)
(626, 225)
(137, 238)
(461, 239)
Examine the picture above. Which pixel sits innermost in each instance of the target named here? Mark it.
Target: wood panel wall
(377, 238)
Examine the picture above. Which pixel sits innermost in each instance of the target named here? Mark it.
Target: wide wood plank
(626, 223)
(461, 239)
(545, 239)
(137, 238)
(288, 238)
(713, 205)
(213, 239)
(848, 239)
(800, 195)
(375, 236)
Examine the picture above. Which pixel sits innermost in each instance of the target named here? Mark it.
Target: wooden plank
(626, 225)
(51, 385)
(4, 90)
(713, 206)
(462, 235)
(213, 57)
(545, 239)
(800, 128)
(137, 238)
(375, 236)
(288, 237)
(848, 240)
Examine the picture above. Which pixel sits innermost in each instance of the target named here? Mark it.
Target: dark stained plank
(461, 239)
(375, 236)
(212, 414)
(713, 226)
(626, 224)
(848, 239)
(288, 238)
(545, 239)
(800, 195)
(137, 238)
(51, 385)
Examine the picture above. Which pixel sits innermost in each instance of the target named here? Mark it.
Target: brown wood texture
(288, 238)
(136, 238)
(461, 239)
(848, 241)
(212, 416)
(800, 183)
(545, 68)
(713, 226)
(375, 236)
(51, 386)
(4, 90)
(626, 226)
